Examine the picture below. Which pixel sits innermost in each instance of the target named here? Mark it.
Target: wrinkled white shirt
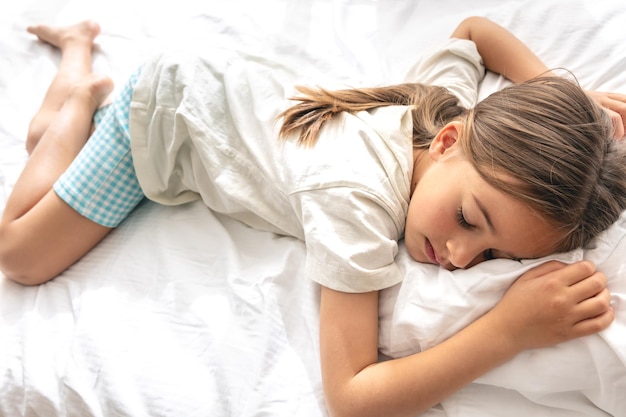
(204, 127)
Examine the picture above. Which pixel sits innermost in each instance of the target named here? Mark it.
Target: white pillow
(431, 304)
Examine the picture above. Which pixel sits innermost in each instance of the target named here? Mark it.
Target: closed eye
(462, 221)
(489, 253)
(493, 254)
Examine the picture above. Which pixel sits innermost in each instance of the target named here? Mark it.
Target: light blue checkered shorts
(101, 183)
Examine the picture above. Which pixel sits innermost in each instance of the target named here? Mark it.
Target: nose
(464, 253)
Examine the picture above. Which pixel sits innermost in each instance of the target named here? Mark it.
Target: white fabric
(204, 125)
(181, 312)
(455, 65)
(591, 370)
(207, 124)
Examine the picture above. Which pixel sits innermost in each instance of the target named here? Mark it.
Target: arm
(505, 54)
(547, 305)
(501, 51)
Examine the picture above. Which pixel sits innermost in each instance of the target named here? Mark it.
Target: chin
(409, 245)
(417, 255)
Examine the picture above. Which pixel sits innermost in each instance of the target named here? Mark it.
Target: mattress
(183, 312)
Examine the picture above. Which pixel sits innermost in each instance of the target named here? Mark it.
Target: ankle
(81, 34)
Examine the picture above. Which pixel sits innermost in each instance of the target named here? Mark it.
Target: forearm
(356, 384)
(549, 304)
(411, 385)
(501, 51)
(504, 54)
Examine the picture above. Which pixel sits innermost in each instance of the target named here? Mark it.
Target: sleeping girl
(530, 170)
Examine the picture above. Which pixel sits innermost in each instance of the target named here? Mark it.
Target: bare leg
(40, 235)
(75, 43)
(59, 144)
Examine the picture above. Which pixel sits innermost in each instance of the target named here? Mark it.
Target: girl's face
(457, 220)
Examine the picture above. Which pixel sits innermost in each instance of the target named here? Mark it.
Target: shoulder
(454, 64)
(451, 52)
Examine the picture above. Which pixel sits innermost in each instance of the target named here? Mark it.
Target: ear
(445, 140)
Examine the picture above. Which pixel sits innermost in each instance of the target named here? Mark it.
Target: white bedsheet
(180, 312)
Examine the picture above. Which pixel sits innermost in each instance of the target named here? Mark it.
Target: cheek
(411, 237)
(413, 233)
(428, 219)
(424, 221)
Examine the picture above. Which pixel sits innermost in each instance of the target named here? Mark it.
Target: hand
(553, 303)
(615, 105)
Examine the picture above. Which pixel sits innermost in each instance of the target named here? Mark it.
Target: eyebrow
(490, 224)
(484, 212)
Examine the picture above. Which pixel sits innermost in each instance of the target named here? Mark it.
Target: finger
(588, 287)
(617, 106)
(619, 123)
(574, 273)
(593, 306)
(617, 97)
(543, 269)
(593, 325)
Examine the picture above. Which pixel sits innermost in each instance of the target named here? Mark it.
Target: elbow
(467, 27)
(338, 404)
(346, 405)
(347, 410)
(340, 411)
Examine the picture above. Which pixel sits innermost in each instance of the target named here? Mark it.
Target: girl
(529, 171)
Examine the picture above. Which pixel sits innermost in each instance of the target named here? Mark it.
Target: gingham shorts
(101, 183)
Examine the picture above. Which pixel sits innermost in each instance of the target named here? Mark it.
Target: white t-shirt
(203, 126)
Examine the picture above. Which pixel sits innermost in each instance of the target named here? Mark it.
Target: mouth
(430, 253)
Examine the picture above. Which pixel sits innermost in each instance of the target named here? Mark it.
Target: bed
(182, 312)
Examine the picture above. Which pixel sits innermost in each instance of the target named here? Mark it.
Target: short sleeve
(351, 239)
(456, 65)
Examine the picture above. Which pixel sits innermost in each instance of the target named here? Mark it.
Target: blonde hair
(545, 142)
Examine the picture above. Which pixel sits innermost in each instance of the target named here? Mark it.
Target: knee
(6, 266)
(34, 134)
(20, 273)
(36, 129)
(15, 263)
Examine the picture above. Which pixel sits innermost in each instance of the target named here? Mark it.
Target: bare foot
(60, 36)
